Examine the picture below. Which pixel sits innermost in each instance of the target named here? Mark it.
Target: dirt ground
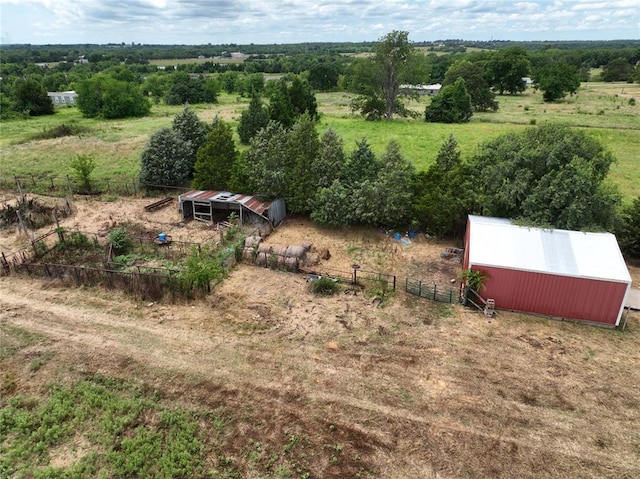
(411, 389)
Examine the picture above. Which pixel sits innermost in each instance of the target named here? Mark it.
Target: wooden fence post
(19, 185)
(69, 186)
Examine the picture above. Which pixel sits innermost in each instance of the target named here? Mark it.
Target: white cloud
(269, 21)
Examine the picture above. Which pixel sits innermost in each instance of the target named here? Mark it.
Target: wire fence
(355, 276)
(63, 185)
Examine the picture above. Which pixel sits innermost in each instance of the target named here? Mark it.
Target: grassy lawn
(602, 109)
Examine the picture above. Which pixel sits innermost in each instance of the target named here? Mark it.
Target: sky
(197, 22)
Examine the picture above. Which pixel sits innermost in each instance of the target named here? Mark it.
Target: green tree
(441, 200)
(361, 165)
(184, 89)
(155, 86)
(618, 69)
(550, 175)
(507, 68)
(32, 98)
(482, 98)
(331, 160)
(264, 167)
(90, 93)
(556, 80)
(303, 149)
(280, 105)
(253, 84)
(166, 160)
(393, 187)
(333, 205)
(102, 95)
(215, 159)
(211, 90)
(324, 76)
(303, 101)
(122, 100)
(451, 105)
(290, 99)
(191, 129)
(628, 230)
(391, 54)
(379, 82)
(252, 120)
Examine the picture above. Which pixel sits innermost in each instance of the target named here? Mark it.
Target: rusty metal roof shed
(248, 201)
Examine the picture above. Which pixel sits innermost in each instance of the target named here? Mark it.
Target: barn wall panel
(552, 295)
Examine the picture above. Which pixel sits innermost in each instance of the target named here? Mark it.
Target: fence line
(353, 276)
(65, 184)
(147, 286)
(431, 291)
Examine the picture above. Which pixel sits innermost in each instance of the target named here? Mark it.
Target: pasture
(603, 110)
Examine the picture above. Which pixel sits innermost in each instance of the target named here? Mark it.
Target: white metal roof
(498, 242)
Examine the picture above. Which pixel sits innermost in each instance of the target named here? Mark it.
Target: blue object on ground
(397, 236)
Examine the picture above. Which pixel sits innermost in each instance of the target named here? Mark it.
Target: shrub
(83, 166)
(325, 286)
(475, 279)
(120, 240)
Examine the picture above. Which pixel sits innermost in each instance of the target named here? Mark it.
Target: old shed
(562, 274)
(218, 205)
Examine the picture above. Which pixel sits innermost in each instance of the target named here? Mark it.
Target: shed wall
(552, 295)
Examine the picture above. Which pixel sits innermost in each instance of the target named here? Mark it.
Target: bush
(120, 240)
(325, 286)
(83, 166)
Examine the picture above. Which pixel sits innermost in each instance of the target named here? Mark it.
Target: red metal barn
(562, 274)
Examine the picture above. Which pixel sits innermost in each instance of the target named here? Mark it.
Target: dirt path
(422, 389)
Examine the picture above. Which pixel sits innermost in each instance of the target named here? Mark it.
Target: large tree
(215, 159)
(303, 148)
(441, 199)
(556, 80)
(549, 175)
(379, 89)
(391, 54)
(451, 105)
(617, 70)
(482, 98)
(380, 194)
(191, 129)
(103, 95)
(508, 67)
(264, 167)
(331, 159)
(628, 231)
(393, 187)
(166, 160)
(280, 105)
(252, 119)
(32, 98)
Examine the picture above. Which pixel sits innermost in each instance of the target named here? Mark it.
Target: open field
(602, 109)
(262, 379)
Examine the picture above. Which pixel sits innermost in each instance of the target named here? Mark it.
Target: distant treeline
(139, 53)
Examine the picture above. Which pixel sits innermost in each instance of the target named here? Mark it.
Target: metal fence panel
(432, 291)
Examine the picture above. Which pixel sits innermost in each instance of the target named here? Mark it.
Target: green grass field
(602, 109)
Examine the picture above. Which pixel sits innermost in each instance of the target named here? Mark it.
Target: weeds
(325, 286)
(130, 434)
